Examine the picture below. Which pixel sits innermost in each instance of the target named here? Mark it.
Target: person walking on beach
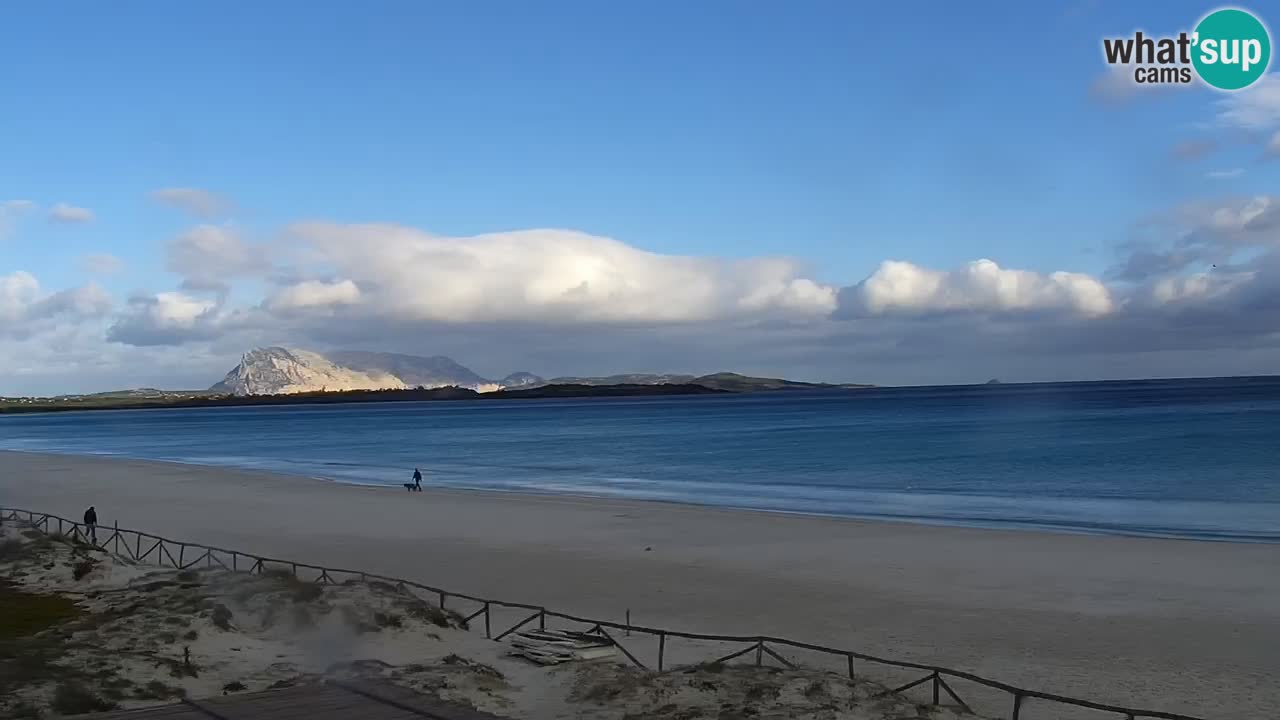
(91, 523)
(417, 479)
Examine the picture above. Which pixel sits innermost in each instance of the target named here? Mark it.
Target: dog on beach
(413, 487)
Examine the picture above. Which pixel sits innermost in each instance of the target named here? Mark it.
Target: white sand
(1182, 626)
(145, 636)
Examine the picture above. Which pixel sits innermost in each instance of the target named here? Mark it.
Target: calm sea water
(1190, 458)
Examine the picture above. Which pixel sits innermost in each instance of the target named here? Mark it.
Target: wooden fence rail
(159, 549)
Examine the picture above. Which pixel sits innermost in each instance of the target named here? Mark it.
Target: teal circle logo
(1232, 49)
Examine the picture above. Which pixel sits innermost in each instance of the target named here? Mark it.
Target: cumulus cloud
(167, 318)
(101, 264)
(26, 308)
(903, 288)
(193, 201)
(314, 294)
(1204, 276)
(1199, 234)
(70, 214)
(545, 276)
(208, 256)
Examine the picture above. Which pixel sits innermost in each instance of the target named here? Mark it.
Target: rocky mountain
(415, 371)
(277, 370)
(521, 380)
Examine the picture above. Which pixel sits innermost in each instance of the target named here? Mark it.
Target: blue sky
(837, 134)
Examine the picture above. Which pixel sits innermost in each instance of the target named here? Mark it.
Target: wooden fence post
(759, 653)
(1017, 706)
(662, 649)
(935, 687)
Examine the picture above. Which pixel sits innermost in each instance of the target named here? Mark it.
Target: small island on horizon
(280, 376)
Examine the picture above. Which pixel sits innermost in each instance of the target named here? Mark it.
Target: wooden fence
(144, 547)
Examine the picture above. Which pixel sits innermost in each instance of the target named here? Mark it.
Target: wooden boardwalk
(326, 701)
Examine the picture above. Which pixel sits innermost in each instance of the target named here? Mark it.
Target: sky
(894, 194)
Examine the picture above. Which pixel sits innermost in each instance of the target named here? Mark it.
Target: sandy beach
(1182, 626)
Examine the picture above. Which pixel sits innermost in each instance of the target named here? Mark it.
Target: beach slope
(1183, 626)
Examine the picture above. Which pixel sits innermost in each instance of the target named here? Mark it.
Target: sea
(1171, 458)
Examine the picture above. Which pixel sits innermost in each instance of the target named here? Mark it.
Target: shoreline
(1010, 525)
(1178, 625)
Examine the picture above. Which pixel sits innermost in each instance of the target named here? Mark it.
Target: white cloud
(193, 201)
(17, 206)
(167, 318)
(1254, 108)
(980, 286)
(547, 276)
(101, 264)
(314, 293)
(1273, 147)
(25, 308)
(70, 214)
(18, 290)
(1197, 287)
(1224, 174)
(209, 255)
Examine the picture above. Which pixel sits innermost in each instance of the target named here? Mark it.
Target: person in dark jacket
(91, 523)
(417, 478)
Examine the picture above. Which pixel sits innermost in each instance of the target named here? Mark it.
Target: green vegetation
(23, 614)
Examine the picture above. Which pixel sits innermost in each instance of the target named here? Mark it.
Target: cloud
(982, 286)
(1273, 147)
(167, 318)
(101, 264)
(17, 206)
(10, 210)
(193, 201)
(313, 294)
(1193, 236)
(1256, 108)
(70, 214)
(208, 256)
(1199, 280)
(1224, 174)
(25, 308)
(547, 276)
(1194, 149)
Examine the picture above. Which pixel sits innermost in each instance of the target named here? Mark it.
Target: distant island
(280, 376)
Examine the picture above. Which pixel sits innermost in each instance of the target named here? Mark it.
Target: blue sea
(1181, 458)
